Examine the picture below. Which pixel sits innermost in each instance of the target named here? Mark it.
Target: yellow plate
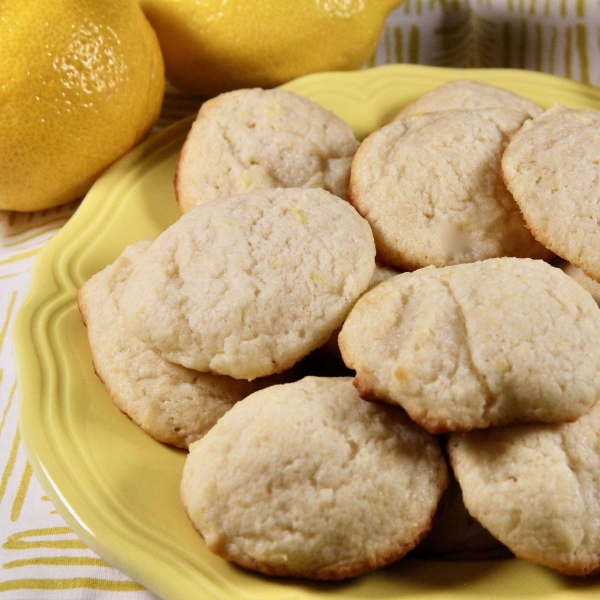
(115, 486)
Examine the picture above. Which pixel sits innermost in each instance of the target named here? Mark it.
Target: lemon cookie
(500, 341)
(537, 489)
(256, 139)
(249, 285)
(469, 95)
(308, 480)
(552, 168)
(173, 404)
(431, 187)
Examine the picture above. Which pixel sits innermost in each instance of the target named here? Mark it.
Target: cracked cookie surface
(552, 168)
(172, 404)
(255, 139)
(431, 187)
(536, 488)
(248, 286)
(500, 341)
(308, 480)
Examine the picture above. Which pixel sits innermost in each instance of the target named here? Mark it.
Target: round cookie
(501, 341)
(465, 94)
(308, 480)
(249, 285)
(256, 139)
(537, 489)
(431, 187)
(172, 404)
(552, 168)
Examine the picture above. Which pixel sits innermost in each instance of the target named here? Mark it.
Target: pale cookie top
(552, 167)
(535, 487)
(431, 187)
(249, 285)
(469, 95)
(173, 404)
(256, 139)
(308, 480)
(501, 341)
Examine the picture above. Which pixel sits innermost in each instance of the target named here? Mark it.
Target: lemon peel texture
(213, 46)
(81, 82)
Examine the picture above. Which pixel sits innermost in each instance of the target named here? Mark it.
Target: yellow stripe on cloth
(19, 500)
(70, 584)
(21, 541)
(7, 318)
(20, 256)
(10, 464)
(59, 561)
(8, 404)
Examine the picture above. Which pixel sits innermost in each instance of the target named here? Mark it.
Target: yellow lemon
(212, 46)
(81, 82)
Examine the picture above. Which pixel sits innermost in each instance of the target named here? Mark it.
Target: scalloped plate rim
(60, 290)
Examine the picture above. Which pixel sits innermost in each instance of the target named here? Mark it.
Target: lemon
(213, 46)
(81, 82)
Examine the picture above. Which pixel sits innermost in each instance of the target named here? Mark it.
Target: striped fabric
(553, 36)
(40, 558)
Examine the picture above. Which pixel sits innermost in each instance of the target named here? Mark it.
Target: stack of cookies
(361, 344)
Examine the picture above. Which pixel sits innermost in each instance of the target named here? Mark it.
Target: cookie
(537, 489)
(465, 94)
(307, 480)
(456, 535)
(552, 168)
(587, 283)
(501, 341)
(249, 285)
(172, 404)
(327, 359)
(431, 187)
(255, 139)
(381, 273)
